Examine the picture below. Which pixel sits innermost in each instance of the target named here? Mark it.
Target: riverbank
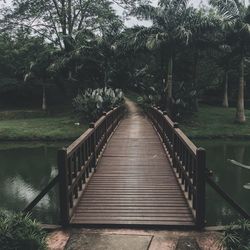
(208, 122)
(216, 122)
(45, 127)
(211, 122)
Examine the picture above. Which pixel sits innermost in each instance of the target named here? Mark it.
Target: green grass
(216, 122)
(58, 127)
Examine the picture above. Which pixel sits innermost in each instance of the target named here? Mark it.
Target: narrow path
(134, 183)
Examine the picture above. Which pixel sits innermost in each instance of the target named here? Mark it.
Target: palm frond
(147, 12)
(228, 9)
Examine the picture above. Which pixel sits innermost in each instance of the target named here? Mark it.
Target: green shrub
(184, 102)
(146, 101)
(91, 103)
(19, 232)
(149, 96)
(237, 236)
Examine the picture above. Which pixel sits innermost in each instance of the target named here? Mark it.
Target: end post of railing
(174, 144)
(93, 142)
(63, 186)
(200, 187)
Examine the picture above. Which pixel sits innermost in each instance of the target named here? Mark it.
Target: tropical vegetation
(90, 104)
(18, 231)
(237, 235)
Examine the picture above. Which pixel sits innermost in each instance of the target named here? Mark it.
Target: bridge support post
(200, 187)
(63, 186)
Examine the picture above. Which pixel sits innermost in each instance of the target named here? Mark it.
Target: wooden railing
(188, 162)
(77, 162)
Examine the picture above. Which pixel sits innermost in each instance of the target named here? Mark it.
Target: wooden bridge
(131, 168)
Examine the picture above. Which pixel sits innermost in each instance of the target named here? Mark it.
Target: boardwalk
(134, 183)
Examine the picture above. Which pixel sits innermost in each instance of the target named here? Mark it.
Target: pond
(230, 162)
(25, 170)
(28, 167)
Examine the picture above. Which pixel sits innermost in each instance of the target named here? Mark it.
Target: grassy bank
(216, 122)
(47, 127)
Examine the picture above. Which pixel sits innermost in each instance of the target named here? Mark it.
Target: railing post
(105, 126)
(93, 141)
(112, 119)
(63, 185)
(200, 187)
(174, 145)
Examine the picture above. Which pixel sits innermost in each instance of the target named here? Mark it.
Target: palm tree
(224, 61)
(174, 23)
(235, 17)
(201, 23)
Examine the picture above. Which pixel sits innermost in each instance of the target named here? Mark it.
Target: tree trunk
(196, 57)
(105, 78)
(225, 95)
(169, 85)
(44, 104)
(240, 111)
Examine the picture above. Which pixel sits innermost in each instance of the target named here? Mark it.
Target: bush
(237, 236)
(91, 103)
(184, 102)
(146, 101)
(19, 232)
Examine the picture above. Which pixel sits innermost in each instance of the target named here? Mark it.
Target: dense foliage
(50, 49)
(237, 236)
(91, 103)
(20, 232)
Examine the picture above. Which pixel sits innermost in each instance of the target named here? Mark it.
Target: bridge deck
(134, 183)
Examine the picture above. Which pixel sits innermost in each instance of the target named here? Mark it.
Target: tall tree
(235, 17)
(59, 21)
(201, 24)
(174, 24)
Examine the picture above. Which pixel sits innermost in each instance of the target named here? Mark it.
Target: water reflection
(24, 170)
(232, 175)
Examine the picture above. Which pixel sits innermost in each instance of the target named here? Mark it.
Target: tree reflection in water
(25, 170)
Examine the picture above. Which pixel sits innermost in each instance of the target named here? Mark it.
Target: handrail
(188, 162)
(77, 162)
(35, 201)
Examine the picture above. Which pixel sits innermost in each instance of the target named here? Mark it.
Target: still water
(230, 162)
(27, 168)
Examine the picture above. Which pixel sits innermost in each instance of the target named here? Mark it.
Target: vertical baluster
(75, 164)
(80, 158)
(201, 187)
(93, 145)
(87, 154)
(174, 153)
(71, 200)
(194, 167)
(63, 185)
(70, 170)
